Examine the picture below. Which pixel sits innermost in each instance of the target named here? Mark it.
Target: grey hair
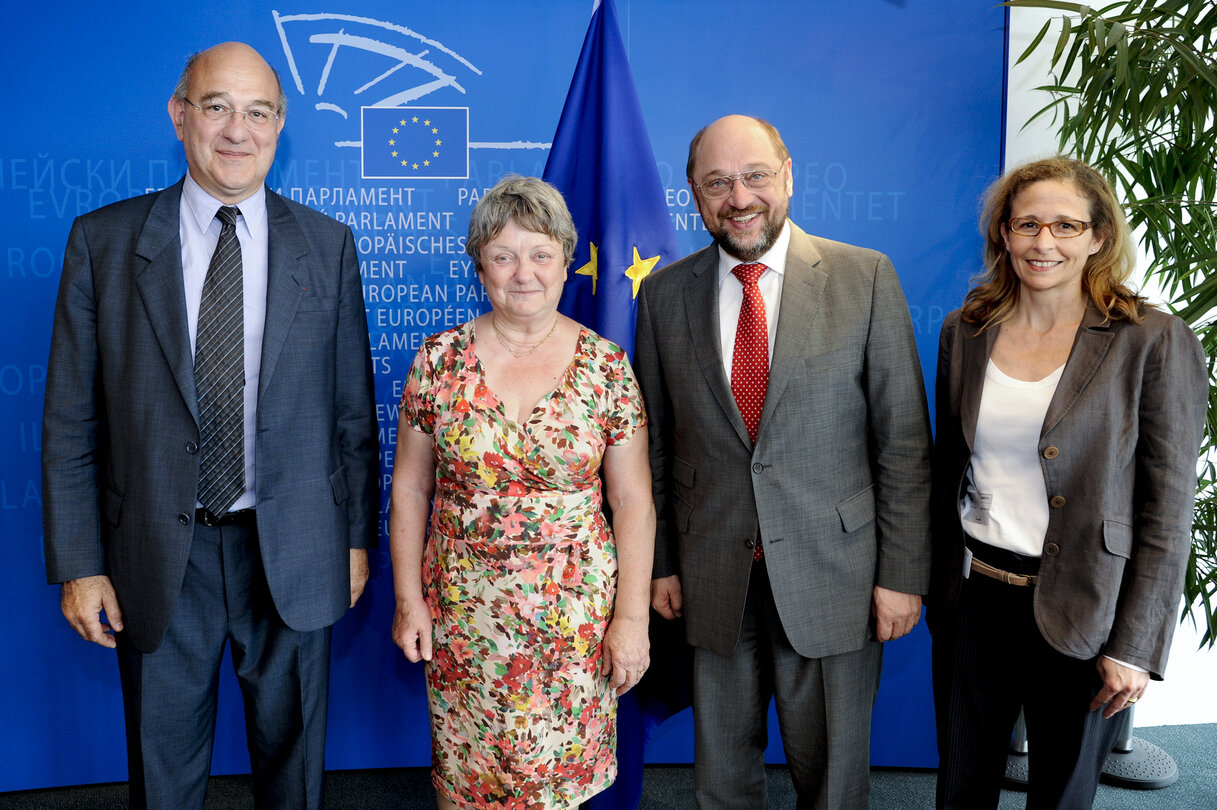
(532, 204)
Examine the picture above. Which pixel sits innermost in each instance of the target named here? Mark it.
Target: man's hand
(896, 613)
(665, 596)
(1122, 687)
(359, 573)
(82, 602)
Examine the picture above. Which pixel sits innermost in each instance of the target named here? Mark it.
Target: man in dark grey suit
(792, 494)
(210, 448)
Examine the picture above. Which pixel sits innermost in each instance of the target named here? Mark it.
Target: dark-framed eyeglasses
(256, 117)
(753, 180)
(1061, 229)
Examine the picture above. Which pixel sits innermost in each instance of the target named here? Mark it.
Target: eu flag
(602, 162)
(415, 142)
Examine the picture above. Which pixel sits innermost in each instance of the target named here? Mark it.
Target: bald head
(234, 54)
(734, 128)
(229, 153)
(744, 216)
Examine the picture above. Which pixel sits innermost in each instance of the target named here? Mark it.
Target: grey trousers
(823, 706)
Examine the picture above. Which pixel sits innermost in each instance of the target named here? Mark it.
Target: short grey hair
(532, 204)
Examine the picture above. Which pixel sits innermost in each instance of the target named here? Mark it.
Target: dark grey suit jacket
(120, 460)
(838, 483)
(1118, 451)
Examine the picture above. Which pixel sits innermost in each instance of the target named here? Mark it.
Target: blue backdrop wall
(892, 110)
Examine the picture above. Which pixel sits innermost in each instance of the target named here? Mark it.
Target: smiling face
(745, 223)
(523, 272)
(1045, 262)
(228, 158)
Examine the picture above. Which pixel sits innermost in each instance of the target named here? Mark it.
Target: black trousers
(170, 695)
(997, 663)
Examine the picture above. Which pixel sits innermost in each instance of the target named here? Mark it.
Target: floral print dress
(520, 575)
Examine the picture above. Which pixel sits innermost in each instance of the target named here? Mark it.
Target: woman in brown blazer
(1069, 418)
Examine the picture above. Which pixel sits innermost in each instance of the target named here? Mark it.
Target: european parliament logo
(415, 142)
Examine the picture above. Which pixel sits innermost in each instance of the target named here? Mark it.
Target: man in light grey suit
(133, 524)
(795, 540)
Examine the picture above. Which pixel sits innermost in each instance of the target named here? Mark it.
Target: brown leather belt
(1018, 580)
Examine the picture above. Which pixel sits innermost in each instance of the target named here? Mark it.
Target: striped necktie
(219, 373)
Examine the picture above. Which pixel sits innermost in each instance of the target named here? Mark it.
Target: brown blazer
(1118, 450)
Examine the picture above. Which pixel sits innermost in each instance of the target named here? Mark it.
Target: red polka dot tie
(750, 360)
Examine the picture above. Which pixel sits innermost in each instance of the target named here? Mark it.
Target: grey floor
(1194, 749)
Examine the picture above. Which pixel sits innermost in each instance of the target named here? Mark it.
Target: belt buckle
(207, 517)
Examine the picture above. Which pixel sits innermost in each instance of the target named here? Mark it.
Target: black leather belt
(241, 517)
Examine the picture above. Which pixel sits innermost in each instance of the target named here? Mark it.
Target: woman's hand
(627, 653)
(1122, 687)
(412, 629)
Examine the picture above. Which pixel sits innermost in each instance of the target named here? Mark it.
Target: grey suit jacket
(120, 460)
(1118, 451)
(838, 482)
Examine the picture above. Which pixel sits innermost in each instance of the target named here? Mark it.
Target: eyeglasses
(256, 117)
(1061, 229)
(755, 180)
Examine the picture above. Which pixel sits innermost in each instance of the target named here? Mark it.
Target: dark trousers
(999, 662)
(823, 705)
(170, 695)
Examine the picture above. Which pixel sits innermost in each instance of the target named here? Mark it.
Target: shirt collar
(774, 258)
(200, 207)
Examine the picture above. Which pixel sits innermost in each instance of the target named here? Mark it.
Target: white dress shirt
(731, 294)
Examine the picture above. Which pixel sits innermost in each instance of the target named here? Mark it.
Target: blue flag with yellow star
(415, 142)
(602, 162)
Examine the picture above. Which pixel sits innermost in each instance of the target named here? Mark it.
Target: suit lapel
(287, 277)
(163, 291)
(701, 312)
(802, 292)
(1089, 347)
(976, 351)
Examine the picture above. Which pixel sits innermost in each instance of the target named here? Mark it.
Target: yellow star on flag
(592, 269)
(640, 269)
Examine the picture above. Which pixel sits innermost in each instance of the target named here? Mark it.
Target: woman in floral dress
(530, 611)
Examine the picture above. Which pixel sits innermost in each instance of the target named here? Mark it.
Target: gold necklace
(506, 343)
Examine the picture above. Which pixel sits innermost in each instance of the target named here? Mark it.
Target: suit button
(1051, 452)
(1051, 549)
(749, 543)
(1057, 501)
(758, 468)
(192, 447)
(183, 519)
